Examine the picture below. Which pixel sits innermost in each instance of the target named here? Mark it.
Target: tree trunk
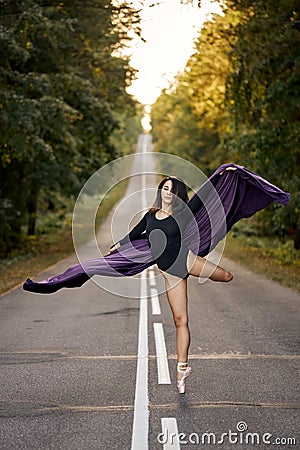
(32, 209)
(297, 240)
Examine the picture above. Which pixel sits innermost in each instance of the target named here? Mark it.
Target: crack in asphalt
(17, 409)
(34, 357)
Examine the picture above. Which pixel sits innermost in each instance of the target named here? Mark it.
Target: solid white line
(155, 302)
(170, 437)
(145, 144)
(161, 355)
(141, 402)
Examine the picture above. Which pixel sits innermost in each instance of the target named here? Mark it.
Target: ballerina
(176, 234)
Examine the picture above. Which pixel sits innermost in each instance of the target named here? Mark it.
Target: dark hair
(179, 190)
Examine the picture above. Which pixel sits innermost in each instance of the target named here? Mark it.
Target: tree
(63, 86)
(238, 100)
(191, 118)
(263, 94)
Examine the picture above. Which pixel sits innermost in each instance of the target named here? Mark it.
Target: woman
(174, 261)
(176, 234)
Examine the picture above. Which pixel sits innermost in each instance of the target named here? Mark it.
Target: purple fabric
(134, 258)
(239, 193)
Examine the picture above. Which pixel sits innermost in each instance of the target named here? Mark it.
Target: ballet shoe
(181, 383)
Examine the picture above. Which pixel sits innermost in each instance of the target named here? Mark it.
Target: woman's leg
(177, 296)
(200, 267)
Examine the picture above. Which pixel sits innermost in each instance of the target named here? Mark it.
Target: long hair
(180, 195)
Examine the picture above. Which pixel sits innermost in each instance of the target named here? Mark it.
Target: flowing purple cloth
(231, 193)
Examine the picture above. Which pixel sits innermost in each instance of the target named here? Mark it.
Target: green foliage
(238, 100)
(62, 83)
(125, 136)
(281, 251)
(263, 93)
(191, 118)
(176, 129)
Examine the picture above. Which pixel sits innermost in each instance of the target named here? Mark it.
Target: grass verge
(266, 255)
(40, 252)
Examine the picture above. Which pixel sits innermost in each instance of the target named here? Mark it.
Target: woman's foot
(183, 372)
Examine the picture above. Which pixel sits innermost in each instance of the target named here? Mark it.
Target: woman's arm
(135, 233)
(196, 202)
(114, 247)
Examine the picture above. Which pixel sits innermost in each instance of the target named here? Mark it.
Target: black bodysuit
(165, 238)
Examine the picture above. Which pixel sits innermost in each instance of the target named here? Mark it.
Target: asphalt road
(84, 368)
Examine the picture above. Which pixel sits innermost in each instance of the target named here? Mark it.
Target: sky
(169, 28)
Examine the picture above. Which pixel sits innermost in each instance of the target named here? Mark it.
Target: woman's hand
(115, 247)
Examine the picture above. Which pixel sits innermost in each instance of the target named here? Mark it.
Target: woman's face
(166, 192)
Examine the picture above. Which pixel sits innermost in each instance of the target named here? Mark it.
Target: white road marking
(151, 277)
(161, 354)
(141, 403)
(155, 302)
(169, 438)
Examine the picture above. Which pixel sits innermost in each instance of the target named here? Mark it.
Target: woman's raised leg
(200, 267)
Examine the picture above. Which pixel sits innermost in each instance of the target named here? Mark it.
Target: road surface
(90, 369)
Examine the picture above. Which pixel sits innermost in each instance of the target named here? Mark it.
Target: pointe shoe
(181, 383)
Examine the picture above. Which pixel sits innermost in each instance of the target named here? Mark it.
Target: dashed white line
(151, 277)
(169, 437)
(141, 403)
(161, 354)
(155, 302)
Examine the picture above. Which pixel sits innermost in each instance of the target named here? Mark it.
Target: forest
(63, 104)
(238, 100)
(65, 111)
